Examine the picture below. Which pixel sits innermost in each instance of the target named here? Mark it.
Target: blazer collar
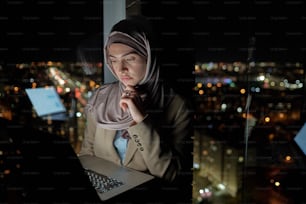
(130, 151)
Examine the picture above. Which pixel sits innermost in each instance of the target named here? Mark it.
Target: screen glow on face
(128, 65)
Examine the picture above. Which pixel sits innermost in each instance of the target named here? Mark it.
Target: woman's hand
(131, 100)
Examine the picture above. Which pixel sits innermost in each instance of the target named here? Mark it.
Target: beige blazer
(157, 145)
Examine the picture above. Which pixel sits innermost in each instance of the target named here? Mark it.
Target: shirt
(120, 144)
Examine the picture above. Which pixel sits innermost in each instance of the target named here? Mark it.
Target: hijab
(134, 32)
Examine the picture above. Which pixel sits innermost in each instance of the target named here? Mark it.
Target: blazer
(159, 145)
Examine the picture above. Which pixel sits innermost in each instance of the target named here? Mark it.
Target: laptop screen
(45, 101)
(300, 139)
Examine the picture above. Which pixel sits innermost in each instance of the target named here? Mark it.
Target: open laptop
(300, 139)
(47, 103)
(120, 179)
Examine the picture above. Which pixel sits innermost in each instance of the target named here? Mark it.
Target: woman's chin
(129, 83)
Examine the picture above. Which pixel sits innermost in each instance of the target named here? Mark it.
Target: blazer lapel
(106, 137)
(130, 151)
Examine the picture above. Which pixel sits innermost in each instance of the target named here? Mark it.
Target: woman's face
(129, 66)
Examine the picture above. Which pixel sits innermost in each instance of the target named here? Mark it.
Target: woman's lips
(125, 78)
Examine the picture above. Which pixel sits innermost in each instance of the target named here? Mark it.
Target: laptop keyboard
(102, 183)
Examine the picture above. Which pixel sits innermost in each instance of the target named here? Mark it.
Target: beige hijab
(105, 102)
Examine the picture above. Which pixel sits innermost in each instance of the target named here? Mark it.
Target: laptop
(46, 170)
(300, 139)
(47, 103)
(119, 179)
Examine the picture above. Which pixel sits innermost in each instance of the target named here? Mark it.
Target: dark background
(51, 30)
(47, 30)
(189, 32)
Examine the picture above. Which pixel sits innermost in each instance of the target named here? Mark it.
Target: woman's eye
(113, 61)
(130, 59)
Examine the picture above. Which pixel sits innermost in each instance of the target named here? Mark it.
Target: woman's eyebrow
(125, 54)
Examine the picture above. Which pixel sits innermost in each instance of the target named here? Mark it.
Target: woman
(138, 121)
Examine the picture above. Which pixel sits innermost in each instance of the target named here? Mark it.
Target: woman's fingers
(123, 105)
(128, 93)
(130, 100)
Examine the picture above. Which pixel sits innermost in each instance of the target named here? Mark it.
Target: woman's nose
(122, 66)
